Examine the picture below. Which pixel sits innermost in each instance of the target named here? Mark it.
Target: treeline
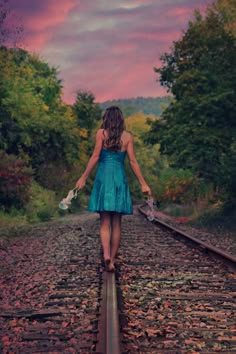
(198, 129)
(147, 105)
(40, 135)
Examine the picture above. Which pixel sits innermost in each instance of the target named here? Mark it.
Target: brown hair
(113, 123)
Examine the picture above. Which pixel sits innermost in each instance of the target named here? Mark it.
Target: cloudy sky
(108, 47)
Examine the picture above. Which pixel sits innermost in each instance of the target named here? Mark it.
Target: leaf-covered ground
(225, 240)
(49, 282)
(175, 299)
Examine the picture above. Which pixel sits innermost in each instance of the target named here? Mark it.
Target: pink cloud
(53, 16)
(109, 48)
(139, 79)
(179, 12)
(41, 21)
(166, 36)
(123, 47)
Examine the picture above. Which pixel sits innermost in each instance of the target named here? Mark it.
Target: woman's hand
(146, 189)
(80, 183)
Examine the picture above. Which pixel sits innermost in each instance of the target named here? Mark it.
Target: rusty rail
(109, 331)
(227, 258)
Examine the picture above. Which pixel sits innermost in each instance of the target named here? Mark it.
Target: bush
(45, 214)
(53, 176)
(15, 179)
(42, 203)
(218, 215)
(12, 219)
(180, 187)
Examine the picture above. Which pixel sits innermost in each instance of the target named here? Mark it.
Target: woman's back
(110, 190)
(125, 138)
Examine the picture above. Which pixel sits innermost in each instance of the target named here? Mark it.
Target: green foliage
(45, 214)
(146, 105)
(137, 124)
(41, 206)
(198, 129)
(227, 10)
(87, 112)
(42, 202)
(183, 213)
(15, 178)
(217, 217)
(35, 123)
(11, 219)
(38, 127)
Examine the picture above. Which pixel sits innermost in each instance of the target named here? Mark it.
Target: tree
(147, 105)
(35, 123)
(87, 112)
(227, 10)
(198, 128)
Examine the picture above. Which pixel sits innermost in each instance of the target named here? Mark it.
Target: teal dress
(110, 189)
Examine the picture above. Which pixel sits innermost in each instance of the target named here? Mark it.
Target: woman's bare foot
(107, 262)
(111, 267)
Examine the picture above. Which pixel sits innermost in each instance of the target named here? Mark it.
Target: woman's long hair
(113, 123)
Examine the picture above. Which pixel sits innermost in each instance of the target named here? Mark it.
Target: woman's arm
(92, 161)
(135, 167)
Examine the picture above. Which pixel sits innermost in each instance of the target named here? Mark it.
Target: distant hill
(147, 105)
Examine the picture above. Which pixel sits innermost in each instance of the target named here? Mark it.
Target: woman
(110, 195)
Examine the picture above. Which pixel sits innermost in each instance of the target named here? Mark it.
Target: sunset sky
(108, 47)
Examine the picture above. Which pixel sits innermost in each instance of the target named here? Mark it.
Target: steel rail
(227, 258)
(109, 330)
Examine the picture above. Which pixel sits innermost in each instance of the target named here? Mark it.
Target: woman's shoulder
(101, 132)
(126, 139)
(127, 135)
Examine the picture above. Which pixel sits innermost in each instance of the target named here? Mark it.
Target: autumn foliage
(179, 186)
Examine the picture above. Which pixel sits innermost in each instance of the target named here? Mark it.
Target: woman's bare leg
(105, 233)
(115, 234)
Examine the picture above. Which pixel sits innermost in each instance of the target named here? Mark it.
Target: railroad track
(165, 297)
(172, 298)
(225, 257)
